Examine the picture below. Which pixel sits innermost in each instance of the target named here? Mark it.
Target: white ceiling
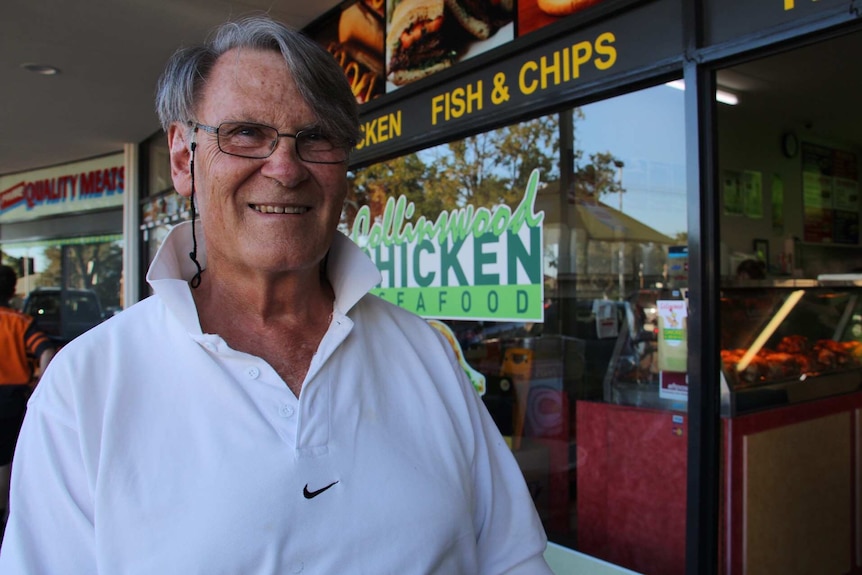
(110, 53)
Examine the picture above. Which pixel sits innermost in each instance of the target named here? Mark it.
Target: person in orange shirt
(22, 345)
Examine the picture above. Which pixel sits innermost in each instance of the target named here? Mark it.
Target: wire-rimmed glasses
(258, 141)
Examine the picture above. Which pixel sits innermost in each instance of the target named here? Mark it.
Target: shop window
(554, 254)
(790, 169)
(68, 285)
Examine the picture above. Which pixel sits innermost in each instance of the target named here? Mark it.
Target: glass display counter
(787, 342)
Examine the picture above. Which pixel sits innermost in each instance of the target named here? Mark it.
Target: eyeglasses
(249, 140)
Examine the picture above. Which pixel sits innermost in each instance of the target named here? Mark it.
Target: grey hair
(322, 84)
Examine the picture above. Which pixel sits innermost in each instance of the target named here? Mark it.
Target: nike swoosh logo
(312, 494)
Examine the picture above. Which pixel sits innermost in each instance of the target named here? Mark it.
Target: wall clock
(789, 145)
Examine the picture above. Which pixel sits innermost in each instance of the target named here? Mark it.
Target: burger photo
(481, 18)
(427, 36)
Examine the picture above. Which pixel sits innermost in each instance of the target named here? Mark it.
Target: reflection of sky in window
(37, 253)
(646, 131)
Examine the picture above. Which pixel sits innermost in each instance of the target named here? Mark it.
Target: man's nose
(285, 165)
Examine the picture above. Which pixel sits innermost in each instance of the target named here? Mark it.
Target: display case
(785, 342)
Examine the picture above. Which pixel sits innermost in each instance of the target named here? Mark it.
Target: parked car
(81, 310)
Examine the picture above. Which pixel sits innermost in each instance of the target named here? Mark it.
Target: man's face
(276, 214)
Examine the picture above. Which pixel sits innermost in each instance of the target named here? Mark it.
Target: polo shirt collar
(351, 273)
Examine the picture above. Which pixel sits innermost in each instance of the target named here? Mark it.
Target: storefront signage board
(469, 263)
(729, 19)
(357, 33)
(543, 74)
(82, 186)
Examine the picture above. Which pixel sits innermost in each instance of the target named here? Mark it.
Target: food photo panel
(424, 37)
(354, 36)
(535, 14)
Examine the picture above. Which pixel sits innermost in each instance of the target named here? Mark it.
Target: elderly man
(262, 413)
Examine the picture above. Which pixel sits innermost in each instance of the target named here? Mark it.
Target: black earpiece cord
(196, 279)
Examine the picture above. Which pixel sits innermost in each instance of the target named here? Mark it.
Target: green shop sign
(469, 263)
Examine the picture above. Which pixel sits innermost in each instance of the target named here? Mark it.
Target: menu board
(830, 195)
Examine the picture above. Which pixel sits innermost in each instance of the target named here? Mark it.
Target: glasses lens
(315, 147)
(247, 140)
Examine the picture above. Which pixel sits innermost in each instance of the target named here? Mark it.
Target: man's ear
(181, 156)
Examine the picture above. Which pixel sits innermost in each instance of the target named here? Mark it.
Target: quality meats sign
(82, 186)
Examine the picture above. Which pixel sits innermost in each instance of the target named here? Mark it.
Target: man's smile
(271, 209)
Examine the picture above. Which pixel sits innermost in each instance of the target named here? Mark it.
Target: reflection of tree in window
(483, 171)
(96, 266)
(597, 178)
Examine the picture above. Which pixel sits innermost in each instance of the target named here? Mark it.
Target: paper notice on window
(606, 319)
(672, 335)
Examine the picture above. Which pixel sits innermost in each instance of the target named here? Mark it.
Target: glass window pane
(790, 167)
(584, 371)
(87, 271)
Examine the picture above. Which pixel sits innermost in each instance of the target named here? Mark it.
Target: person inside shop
(26, 353)
(262, 413)
(751, 269)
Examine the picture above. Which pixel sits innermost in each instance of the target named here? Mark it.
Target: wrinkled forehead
(249, 69)
(249, 78)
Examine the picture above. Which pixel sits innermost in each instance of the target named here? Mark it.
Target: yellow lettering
(581, 54)
(604, 47)
(369, 136)
(395, 122)
(436, 109)
(565, 65)
(566, 75)
(474, 96)
(383, 129)
(380, 130)
(547, 70)
(457, 103)
(527, 88)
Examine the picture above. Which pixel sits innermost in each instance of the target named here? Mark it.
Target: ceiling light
(722, 96)
(726, 97)
(41, 69)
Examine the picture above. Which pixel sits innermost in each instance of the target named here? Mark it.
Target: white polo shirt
(151, 448)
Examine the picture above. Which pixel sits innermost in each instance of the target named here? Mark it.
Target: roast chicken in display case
(789, 341)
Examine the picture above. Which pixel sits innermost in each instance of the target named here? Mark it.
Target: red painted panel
(632, 487)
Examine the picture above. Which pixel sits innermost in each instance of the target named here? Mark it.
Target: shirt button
(285, 410)
(253, 372)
